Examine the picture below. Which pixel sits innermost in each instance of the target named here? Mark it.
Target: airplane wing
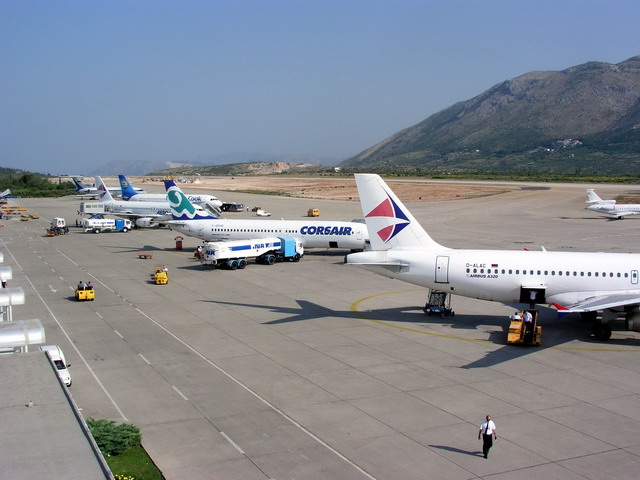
(601, 302)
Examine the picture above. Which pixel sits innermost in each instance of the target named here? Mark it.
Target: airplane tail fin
(592, 197)
(103, 192)
(390, 224)
(127, 190)
(80, 185)
(181, 207)
(5, 193)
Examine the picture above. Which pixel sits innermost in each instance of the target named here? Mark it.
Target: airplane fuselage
(560, 277)
(619, 211)
(312, 234)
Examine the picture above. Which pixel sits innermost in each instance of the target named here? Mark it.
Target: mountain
(583, 119)
(246, 168)
(142, 167)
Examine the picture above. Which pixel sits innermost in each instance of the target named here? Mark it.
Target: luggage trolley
(439, 303)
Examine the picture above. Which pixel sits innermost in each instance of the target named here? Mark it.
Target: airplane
(129, 193)
(312, 233)
(609, 207)
(89, 189)
(581, 282)
(5, 194)
(144, 214)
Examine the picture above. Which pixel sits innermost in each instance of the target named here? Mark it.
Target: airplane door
(442, 269)
(634, 277)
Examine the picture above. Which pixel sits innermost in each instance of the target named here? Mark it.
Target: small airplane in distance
(204, 200)
(582, 282)
(5, 194)
(144, 214)
(312, 233)
(90, 190)
(610, 207)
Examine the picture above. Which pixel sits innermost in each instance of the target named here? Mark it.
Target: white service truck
(97, 224)
(234, 254)
(57, 357)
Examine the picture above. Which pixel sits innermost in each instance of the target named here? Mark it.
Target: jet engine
(146, 222)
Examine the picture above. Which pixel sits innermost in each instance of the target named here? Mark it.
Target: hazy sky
(88, 82)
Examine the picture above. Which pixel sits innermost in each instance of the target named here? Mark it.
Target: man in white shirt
(488, 432)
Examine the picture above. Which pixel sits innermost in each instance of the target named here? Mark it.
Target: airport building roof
(43, 435)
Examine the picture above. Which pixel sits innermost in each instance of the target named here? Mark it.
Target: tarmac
(317, 370)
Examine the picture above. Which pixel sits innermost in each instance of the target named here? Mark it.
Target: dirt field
(338, 189)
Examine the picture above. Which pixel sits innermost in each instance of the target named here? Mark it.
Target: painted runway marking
(176, 389)
(119, 334)
(147, 361)
(235, 445)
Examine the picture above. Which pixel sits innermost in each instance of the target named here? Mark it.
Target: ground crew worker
(488, 433)
(80, 285)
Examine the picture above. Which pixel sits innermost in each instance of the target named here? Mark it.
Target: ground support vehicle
(97, 224)
(85, 294)
(232, 207)
(145, 254)
(313, 212)
(58, 227)
(439, 304)
(57, 357)
(524, 333)
(160, 275)
(234, 254)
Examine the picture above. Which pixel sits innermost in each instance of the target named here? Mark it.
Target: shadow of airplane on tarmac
(556, 332)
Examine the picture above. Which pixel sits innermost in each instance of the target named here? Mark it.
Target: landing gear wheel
(601, 332)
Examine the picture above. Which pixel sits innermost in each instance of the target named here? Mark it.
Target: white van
(55, 352)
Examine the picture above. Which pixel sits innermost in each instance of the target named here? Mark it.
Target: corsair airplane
(312, 233)
(571, 281)
(129, 193)
(144, 214)
(609, 206)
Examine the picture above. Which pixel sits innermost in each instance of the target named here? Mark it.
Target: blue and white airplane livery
(312, 233)
(130, 193)
(582, 282)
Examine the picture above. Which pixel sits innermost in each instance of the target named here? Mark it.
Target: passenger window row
(560, 273)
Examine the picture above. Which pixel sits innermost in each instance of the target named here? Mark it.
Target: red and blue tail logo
(389, 209)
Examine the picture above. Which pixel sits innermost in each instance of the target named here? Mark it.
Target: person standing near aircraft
(488, 433)
(532, 299)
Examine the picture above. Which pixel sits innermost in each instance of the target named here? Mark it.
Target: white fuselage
(616, 210)
(139, 209)
(312, 233)
(202, 200)
(496, 275)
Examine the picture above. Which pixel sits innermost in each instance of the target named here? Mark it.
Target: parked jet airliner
(571, 281)
(144, 214)
(610, 207)
(312, 233)
(129, 193)
(91, 189)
